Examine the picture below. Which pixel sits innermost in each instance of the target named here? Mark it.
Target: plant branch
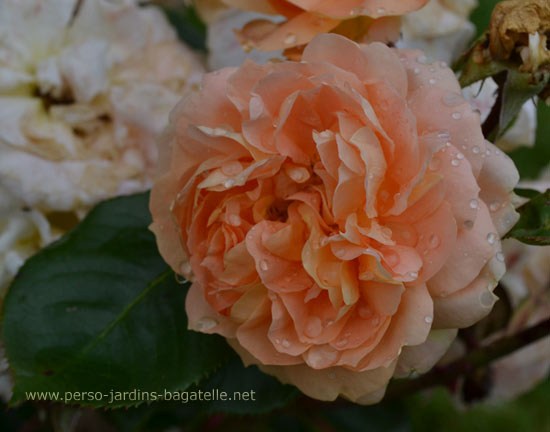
(474, 359)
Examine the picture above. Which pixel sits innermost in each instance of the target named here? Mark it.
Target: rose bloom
(360, 20)
(85, 89)
(332, 214)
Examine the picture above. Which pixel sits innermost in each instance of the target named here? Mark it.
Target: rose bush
(339, 218)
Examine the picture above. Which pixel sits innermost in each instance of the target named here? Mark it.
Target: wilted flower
(85, 89)
(333, 212)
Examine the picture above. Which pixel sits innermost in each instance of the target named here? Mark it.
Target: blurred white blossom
(85, 89)
(441, 28)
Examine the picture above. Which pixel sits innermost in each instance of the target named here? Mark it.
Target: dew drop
(365, 311)
(491, 238)
(460, 156)
(392, 258)
(494, 206)
(500, 256)
(290, 38)
(206, 324)
(434, 241)
(314, 327)
(231, 168)
(264, 265)
(443, 64)
(457, 116)
(412, 275)
(381, 11)
(341, 343)
(234, 220)
(474, 204)
(185, 267)
(455, 162)
(229, 183)
(432, 69)
(416, 71)
(444, 135)
(432, 81)
(286, 343)
(475, 150)
(428, 319)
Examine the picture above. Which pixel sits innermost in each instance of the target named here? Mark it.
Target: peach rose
(360, 20)
(333, 214)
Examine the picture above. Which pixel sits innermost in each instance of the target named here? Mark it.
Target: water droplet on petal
(500, 256)
(234, 220)
(314, 327)
(231, 168)
(286, 343)
(206, 324)
(460, 156)
(491, 238)
(264, 265)
(416, 71)
(229, 183)
(185, 267)
(475, 150)
(432, 69)
(444, 135)
(290, 38)
(432, 81)
(412, 275)
(428, 319)
(494, 206)
(322, 356)
(455, 162)
(341, 343)
(434, 241)
(392, 258)
(457, 116)
(474, 204)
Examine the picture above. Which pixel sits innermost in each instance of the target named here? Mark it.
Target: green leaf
(387, 417)
(264, 392)
(518, 89)
(99, 310)
(534, 223)
(188, 24)
(481, 16)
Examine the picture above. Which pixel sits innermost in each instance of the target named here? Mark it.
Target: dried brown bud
(521, 26)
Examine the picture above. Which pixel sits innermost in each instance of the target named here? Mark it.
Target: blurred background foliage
(436, 410)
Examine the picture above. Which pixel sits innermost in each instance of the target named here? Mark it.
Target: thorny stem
(474, 359)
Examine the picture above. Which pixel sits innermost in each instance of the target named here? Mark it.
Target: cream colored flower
(85, 89)
(527, 283)
(441, 28)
